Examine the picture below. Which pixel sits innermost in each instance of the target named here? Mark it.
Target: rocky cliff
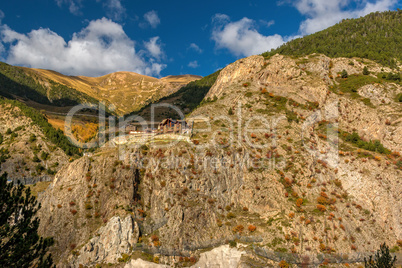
(283, 165)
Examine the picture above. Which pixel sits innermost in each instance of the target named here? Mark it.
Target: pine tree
(382, 259)
(20, 244)
(366, 71)
(344, 74)
(230, 112)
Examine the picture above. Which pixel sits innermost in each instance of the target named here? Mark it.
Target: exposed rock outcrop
(117, 237)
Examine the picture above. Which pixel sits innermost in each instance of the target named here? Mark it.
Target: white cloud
(154, 47)
(73, 5)
(193, 64)
(323, 14)
(267, 23)
(220, 18)
(241, 37)
(1, 15)
(100, 48)
(114, 9)
(154, 68)
(195, 47)
(152, 18)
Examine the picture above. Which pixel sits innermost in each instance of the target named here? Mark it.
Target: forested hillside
(377, 36)
(194, 92)
(55, 136)
(186, 98)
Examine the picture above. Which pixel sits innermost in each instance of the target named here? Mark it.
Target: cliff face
(83, 196)
(315, 79)
(290, 184)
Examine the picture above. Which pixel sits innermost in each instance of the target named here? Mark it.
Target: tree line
(377, 36)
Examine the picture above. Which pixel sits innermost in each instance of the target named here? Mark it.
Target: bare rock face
(313, 79)
(139, 263)
(238, 71)
(111, 241)
(84, 196)
(222, 256)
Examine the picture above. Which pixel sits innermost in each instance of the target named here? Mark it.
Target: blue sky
(160, 38)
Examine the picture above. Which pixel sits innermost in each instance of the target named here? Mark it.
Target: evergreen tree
(344, 74)
(32, 138)
(230, 112)
(36, 159)
(1, 138)
(20, 244)
(382, 259)
(366, 71)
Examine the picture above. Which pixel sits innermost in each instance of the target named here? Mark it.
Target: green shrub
(375, 146)
(399, 97)
(232, 244)
(248, 94)
(381, 259)
(35, 159)
(230, 215)
(44, 155)
(39, 168)
(124, 258)
(32, 138)
(366, 71)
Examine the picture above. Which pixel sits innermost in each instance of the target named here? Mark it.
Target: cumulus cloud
(195, 47)
(114, 9)
(73, 5)
(100, 48)
(323, 14)
(152, 18)
(154, 47)
(241, 37)
(193, 64)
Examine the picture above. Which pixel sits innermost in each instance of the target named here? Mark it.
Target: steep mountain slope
(29, 149)
(17, 82)
(377, 36)
(126, 91)
(300, 182)
(187, 98)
